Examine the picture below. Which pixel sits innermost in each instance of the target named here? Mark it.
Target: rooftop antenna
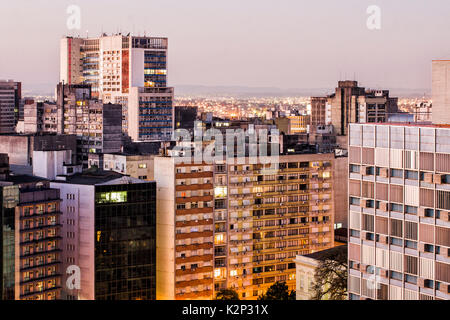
(87, 34)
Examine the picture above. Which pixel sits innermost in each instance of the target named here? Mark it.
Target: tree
(331, 277)
(227, 294)
(278, 291)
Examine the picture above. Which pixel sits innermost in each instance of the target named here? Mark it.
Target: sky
(255, 43)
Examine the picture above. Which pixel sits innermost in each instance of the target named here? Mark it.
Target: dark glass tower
(125, 241)
(9, 196)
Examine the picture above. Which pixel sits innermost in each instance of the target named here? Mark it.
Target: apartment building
(139, 166)
(109, 225)
(318, 112)
(31, 239)
(96, 125)
(40, 117)
(239, 226)
(399, 204)
(10, 96)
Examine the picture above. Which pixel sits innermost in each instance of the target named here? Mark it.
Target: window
(142, 165)
(410, 244)
(429, 284)
(396, 275)
(411, 210)
(396, 207)
(429, 248)
(396, 242)
(410, 279)
(354, 233)
(111, 197)
(412, 175)
(396, 173)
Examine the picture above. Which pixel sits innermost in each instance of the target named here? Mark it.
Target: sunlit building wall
(239, 226)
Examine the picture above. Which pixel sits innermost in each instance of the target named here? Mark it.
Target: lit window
(220, 192)
(218, 239)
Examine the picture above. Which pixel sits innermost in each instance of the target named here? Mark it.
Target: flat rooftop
(99, 177)
(324, 254)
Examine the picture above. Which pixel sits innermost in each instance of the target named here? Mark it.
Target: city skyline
(225, 54)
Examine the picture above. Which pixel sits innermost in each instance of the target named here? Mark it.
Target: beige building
(306, 267)
(136, 166)
(239, 226)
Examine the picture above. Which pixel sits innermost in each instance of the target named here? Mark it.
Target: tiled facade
(399, 203)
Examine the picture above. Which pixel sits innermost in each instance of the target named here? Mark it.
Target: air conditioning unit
(384, 172)
(428, 177)
(438, 178)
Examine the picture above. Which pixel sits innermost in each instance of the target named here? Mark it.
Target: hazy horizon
(256, 44)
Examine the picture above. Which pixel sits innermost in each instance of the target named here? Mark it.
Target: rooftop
(99, 177)
(24, 178)
(324, 254)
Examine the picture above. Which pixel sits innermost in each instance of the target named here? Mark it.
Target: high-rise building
(10, 96)
(96, 125)
(353, 104)
(399, 205)
(441, 91)
(150, 113)
(31, 239)
(318, 112)
(110, 223)
(125, 70)
(239, 226)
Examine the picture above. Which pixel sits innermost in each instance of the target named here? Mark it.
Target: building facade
(136, 166)
(239, 226)
(399, 203)
(110, 226)
(10, 96)
(96, 125)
